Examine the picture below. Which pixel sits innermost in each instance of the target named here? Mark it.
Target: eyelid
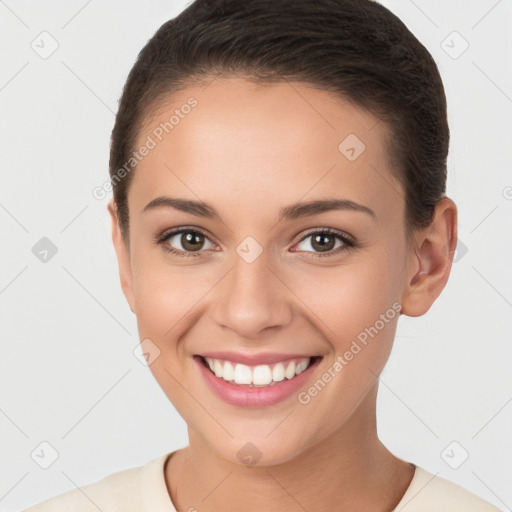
(170, 233)
(329, 231)
(347, 243)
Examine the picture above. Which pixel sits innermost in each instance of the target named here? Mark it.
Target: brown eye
(192, 241)
(325, 243)
(185, 242)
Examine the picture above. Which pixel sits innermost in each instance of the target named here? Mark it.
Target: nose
(253, 298)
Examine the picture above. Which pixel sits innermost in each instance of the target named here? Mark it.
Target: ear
(430, 262)
(123, 256)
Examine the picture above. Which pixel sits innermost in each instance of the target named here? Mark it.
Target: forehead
(279, 141)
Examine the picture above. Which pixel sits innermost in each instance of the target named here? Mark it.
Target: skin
(250, 150)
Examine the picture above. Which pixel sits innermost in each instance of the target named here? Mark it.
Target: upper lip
(253, 359)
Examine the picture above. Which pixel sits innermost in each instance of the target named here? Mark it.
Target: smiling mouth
(262, 375)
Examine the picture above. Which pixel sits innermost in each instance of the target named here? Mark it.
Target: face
(253, 274)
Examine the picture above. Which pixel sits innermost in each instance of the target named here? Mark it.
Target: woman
(279, 173)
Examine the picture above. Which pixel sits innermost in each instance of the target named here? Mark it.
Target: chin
(259, 451)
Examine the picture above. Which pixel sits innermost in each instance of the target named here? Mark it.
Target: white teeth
(217, 368)
(243, 374)
(261, 375)
(290, 370)
(278, 372)
(301, 367)
(228, 371)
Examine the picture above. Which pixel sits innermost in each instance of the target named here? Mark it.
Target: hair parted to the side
(356, 49)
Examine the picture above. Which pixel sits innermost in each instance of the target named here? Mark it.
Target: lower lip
(244, 396)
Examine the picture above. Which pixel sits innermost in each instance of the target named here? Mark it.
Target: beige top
(143, 489)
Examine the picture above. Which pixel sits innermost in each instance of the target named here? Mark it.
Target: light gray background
(68, 373)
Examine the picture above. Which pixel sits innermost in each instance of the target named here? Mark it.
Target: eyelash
(348, 242)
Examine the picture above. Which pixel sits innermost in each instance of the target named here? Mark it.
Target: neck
(349, 470)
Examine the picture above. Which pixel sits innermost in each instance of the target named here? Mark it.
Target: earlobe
(430, 265)
(123, 257)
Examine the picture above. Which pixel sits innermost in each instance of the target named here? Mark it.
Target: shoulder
(116, 492)
(430, 493)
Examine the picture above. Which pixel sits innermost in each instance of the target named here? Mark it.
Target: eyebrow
(294, 211)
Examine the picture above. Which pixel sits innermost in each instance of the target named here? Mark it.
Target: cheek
(349, 297)
(169, 299)
(159, 293)
(161, 308)
(355, 307)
